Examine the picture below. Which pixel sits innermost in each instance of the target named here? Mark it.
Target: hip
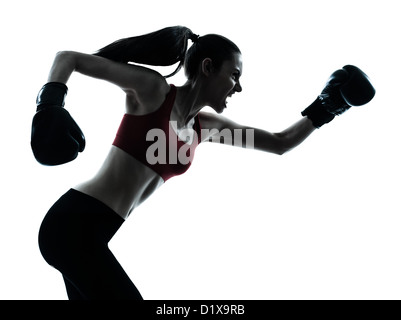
(77, 221)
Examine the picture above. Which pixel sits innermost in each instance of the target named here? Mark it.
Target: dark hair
(213, 46)
(168, 46)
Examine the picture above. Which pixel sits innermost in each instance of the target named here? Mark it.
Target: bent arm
(128, 77)
(62, 68)
(215, 129)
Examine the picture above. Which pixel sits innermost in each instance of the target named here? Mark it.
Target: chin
(220, 109)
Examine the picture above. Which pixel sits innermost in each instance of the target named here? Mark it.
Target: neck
(187, 104)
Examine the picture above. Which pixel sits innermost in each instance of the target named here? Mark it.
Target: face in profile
(225, 82)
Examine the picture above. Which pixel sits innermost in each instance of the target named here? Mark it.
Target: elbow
(275, 143)
(65, 54)
(64, 64)
(283, 145)
(282, 151)
(276, 148)
(66, 58)
(62, 55)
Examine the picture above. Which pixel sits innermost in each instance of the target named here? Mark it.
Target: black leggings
(73, 238)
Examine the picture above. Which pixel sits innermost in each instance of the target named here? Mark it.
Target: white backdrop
(321, 222)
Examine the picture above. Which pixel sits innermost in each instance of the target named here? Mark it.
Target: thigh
(73, 238)
(72, 291)
(98, 275)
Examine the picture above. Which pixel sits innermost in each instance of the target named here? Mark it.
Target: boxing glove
(346, 88)
(55, 138)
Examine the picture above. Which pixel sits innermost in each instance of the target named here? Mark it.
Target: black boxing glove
(56, 138)
(346, 88)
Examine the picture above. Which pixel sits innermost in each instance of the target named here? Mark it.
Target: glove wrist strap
(51, 94)
(317, 113)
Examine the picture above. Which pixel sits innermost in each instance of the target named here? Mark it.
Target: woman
(75, 233)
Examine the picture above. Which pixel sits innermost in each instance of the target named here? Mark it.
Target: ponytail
(168, 46)
(165, 47)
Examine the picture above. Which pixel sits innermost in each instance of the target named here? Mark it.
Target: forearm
(296, 134)
(284, 141)
(62, 68)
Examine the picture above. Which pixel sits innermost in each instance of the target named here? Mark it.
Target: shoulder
(213, 121)
(215, 125)
(149, 96)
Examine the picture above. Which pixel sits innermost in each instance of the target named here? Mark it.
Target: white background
(321, 222)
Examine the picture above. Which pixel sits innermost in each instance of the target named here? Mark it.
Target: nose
(238, 87)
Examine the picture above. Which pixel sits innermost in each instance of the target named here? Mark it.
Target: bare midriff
(122, 183)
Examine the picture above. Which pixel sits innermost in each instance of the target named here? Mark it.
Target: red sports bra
(151, 139)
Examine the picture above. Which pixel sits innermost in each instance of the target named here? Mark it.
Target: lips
(229, 96)
(225, 100)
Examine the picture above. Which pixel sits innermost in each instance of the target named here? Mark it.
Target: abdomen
(122, 182)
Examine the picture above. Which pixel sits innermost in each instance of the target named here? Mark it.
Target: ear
(207, 67)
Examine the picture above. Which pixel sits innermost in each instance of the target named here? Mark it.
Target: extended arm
(285, 140)
(222, 130)
(345, 88)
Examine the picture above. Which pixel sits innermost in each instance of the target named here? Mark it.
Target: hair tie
(194, 37)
